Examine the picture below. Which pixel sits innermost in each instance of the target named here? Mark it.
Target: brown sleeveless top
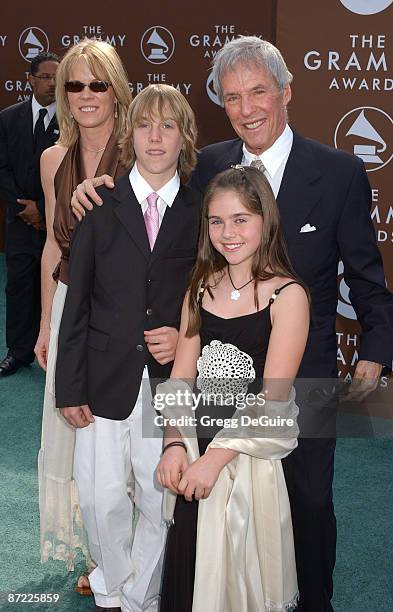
(69, 174)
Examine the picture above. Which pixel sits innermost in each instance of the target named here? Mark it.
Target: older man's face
(255, 105)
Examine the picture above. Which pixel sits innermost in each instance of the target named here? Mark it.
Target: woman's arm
(50, 162)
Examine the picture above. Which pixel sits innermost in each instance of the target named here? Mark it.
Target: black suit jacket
(118, 289)
(328, 189)
(19, 164)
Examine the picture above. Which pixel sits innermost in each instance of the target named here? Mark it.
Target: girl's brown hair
(270, 259)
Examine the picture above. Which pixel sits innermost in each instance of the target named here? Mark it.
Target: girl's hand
(201, 476)
(171, 467)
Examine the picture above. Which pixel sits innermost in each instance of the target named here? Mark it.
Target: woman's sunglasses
(78, 86)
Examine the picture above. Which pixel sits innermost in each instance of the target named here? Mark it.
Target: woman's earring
(116, 109)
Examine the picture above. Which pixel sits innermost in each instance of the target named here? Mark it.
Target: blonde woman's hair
(161, 101)
(106, 65)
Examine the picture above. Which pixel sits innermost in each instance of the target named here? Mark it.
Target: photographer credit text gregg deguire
(190, 400)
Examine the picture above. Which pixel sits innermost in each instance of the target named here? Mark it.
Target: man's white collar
(272, 157)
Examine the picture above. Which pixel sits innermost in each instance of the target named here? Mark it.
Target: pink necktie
(152, 219)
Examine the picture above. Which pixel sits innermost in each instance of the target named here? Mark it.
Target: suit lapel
(300, 187)
(25, 129)
(174, 220)
(129, 212)
(233, 155)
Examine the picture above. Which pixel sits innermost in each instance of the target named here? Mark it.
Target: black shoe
(10, 365)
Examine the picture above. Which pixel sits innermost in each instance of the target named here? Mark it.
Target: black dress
(248, 334)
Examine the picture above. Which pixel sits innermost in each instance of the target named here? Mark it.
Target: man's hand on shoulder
(365, 380)
(85, 194)
(78, 416)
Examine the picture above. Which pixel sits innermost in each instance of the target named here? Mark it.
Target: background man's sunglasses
(78, 86)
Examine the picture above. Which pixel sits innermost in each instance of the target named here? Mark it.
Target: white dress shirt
(142, 189)
(36, 107)
(274, 159)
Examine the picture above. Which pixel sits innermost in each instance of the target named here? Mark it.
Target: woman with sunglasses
(92, 94)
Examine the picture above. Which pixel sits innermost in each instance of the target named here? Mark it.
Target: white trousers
(129, 560)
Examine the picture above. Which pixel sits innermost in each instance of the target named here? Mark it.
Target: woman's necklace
(93, 150)
(235, 294)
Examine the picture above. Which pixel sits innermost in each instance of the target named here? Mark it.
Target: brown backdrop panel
(341, 57)
(173, 45)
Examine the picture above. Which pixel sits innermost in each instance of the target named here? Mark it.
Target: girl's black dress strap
(277, 291)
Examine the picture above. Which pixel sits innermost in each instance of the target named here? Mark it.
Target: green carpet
(363, 500)
(21, 399)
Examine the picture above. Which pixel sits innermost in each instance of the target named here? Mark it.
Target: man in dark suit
(324, 199)
(131, 261)
(26, 129)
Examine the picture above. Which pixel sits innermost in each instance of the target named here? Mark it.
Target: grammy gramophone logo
(366, 7)
(211, 92)
(344, 306)
(368, 133)
(157, 45)
(32, 41)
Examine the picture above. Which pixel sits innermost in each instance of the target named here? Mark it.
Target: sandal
(83, 586)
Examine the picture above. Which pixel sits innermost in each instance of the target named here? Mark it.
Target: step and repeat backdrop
(158, 42)
(340, 52)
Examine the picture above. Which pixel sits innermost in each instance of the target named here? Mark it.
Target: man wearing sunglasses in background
(26, 129)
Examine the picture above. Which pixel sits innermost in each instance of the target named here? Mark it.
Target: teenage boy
(130, 265)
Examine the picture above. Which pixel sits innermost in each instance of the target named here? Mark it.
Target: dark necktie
(258, 164)
(39, 129)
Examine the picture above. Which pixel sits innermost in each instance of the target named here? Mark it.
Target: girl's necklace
(235, 294)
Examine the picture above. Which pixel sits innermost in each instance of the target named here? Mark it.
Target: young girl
(245, 317)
